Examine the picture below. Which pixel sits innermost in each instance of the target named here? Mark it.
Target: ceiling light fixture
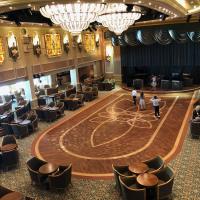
(73, 17)
(117, 19)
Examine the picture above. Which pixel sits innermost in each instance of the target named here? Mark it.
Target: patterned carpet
(186, 185)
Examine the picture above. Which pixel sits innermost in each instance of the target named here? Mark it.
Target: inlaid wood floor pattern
(113, 131)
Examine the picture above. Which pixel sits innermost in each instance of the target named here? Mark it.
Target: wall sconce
(97, 40)
(79, 43)
(36, 45)
(12, 47)
(108, 53)
(66, 43)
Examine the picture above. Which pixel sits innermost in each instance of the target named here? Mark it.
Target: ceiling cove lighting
(73, 17)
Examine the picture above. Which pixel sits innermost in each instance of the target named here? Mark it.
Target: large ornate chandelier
(117, 19)
(73, 17)
(76, 17)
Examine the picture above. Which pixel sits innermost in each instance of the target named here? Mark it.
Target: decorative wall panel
(53, 45)
(89, 42)
(2, 51)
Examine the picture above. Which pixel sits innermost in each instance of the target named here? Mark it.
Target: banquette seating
(130, 190)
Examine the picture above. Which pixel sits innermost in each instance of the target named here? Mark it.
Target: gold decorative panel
(53, 45)
(2, 52)
(89, 42)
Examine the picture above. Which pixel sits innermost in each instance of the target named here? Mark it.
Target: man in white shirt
(155, 101)
(134, 95)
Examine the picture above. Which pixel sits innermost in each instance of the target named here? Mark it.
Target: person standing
(154, 82)
(155, 101)
(142, 101)
(134, 95)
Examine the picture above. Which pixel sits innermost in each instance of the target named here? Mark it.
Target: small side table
(48, 168)
(13, 196)
(139, 168)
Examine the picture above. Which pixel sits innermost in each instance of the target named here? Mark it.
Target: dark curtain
(161, 60)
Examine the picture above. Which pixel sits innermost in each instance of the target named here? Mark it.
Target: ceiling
(175, 8)
(157, 12)
(33, 16)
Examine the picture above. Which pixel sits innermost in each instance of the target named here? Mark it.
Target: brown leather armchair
(121, 170)
(195, 129)
(9, 139)
(33, 126)
(9, 159)
(33, 166)
(165, 183)
(155, 164)
(19, 130)
(130, 190)
(61, 109)
(60, 179)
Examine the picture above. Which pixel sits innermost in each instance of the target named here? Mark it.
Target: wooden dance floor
(112, 131)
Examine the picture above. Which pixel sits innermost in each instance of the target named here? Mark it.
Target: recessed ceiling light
(150, 3)
(29, 5)
(53, 2)
(10, 7)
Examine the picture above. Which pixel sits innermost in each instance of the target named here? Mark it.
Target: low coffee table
(138, 168)
(48, 168)
(13, 196)
(147, 180)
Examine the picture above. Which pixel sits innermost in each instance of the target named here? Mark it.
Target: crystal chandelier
(73, 17)
(117, 19)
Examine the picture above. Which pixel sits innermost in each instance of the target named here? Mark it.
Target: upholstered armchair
(33, 126)
(9, 159)
(155, 164)
(8, 139)
(19, 130)
(61, 109)
(40, 113)
(95, 92)
(81, 99)
(41, 101)
(60, 179)
(50, 115)
(130, 191)
(52, 104)
(33, 166)
(7, 128)
(195, 129)
(165, 183)
(121, 171)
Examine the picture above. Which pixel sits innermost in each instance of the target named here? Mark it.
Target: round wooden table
(147, 180)
(8, 147)
(13, 196)
(138, 168)
(48, 168)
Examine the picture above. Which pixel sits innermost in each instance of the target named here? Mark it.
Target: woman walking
(142, 101)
